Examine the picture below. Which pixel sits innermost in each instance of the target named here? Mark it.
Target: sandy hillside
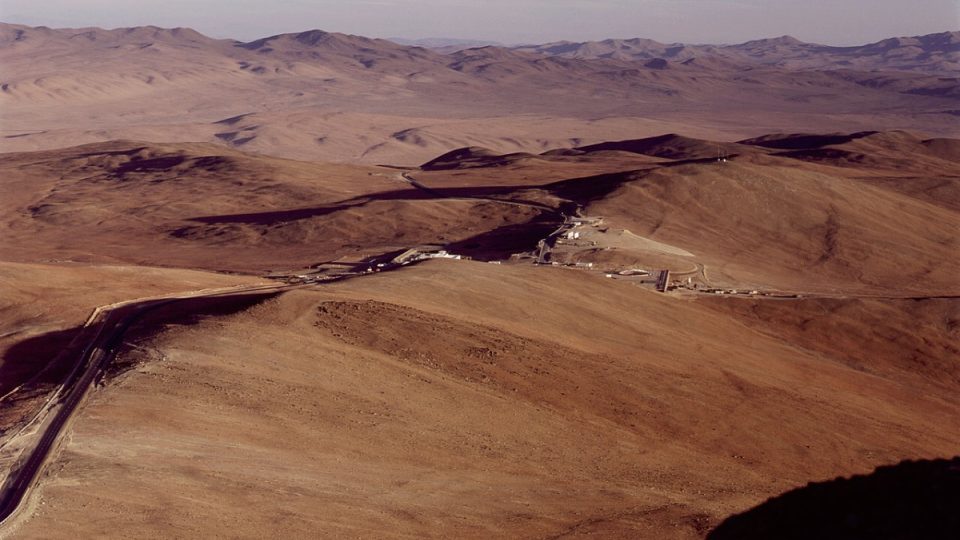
(409, 405)
(43, 307)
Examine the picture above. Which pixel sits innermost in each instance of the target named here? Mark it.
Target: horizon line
(492, 42)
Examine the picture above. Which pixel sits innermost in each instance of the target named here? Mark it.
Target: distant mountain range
(933, 52)
(929, 53)
(289, 93)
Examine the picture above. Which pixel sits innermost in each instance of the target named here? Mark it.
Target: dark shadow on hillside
(910, 500)
(502, 242)
(669, 146)
(825, 154)
(470, 158)
(481, 194)
(186, 312)
(279, 216)
(803, 141)
(591, 188)
(161, 163)
(588, 189)
(35, 355)
(577, 190)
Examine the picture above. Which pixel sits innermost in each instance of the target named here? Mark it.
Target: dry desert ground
(320, 285)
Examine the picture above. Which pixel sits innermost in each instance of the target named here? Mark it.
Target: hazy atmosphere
(834, 22)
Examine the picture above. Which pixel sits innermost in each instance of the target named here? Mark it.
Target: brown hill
(893, 152)
(410, 404)
(42, 307)
(872, 212)
(783, 225)
(349, 50)
(464, 158)
(201, 206)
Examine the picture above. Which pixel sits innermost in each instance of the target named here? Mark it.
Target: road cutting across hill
(106, 326)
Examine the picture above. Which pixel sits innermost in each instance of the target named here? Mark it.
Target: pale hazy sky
(839, 22)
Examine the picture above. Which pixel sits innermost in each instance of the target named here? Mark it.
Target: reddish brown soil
(408, 404)
(457, 399)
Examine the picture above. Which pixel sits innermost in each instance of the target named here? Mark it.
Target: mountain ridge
(60, 87)
(778, 49)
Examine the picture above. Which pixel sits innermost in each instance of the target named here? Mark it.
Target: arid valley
(323, 285)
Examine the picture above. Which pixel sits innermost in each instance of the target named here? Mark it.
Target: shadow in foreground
(500, 243)
(180, 312)
(910, 500)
